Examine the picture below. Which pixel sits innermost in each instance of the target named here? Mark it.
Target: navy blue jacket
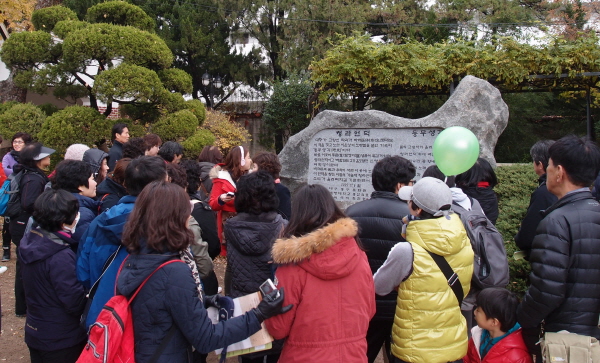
(32, 185)
(55, 299)
(170, 297)
(114, 154)
(285, 201)
(110, 192)
(379, 228)
(88, 210)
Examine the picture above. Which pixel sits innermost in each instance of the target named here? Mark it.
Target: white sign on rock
(342, 159)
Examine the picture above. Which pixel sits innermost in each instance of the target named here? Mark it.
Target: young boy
(497, 337)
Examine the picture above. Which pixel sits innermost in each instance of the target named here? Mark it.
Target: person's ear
(560, 173)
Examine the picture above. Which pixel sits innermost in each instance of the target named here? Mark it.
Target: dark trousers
(20, 304)
(6, 238)
(211, 284)
(378, 334)
(531, 336)
(67, 355)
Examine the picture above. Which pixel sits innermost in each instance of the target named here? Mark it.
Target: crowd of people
(391, 274)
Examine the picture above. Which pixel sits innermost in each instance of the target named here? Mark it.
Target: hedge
(515, 185)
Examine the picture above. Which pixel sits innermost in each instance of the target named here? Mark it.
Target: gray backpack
(490, 268)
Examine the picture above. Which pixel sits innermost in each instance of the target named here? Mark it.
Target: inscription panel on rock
(342, 159)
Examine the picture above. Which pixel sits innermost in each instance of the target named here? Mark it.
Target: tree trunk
(10, 92)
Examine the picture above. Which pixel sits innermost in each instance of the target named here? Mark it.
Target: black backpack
(490, 268)
(13, 208)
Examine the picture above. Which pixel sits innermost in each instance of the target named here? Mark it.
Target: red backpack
(111, 336)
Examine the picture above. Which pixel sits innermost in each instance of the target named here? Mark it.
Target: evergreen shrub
(74, 124)
(515, 184)
(198, 109)
(176, 126)
(193, 145)
(21, 117)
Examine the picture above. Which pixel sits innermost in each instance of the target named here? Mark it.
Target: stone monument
(339, 149)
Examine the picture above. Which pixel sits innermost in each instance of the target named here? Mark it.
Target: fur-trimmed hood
(328, 253)
(217, 172)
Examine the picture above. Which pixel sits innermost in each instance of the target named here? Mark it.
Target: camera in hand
(267, 288)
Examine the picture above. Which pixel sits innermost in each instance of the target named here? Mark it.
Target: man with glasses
(380, 228)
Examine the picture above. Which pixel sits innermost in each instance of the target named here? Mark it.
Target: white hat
(429, 194)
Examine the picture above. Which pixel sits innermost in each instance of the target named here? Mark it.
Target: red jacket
(510, 349)
(327, 278)
(222, 183)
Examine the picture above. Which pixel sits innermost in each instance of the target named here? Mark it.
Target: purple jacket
(8, 163)
(55, 299)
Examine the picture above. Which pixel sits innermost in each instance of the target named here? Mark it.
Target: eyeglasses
(18, 142)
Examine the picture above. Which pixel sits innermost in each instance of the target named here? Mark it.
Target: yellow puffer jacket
(428, 326)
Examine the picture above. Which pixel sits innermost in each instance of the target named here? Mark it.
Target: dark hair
(169, 150)
(233, 162)
(390, 171)
(424, 214)
(117, 129)
(134, 147)
(28, 153)
(268, 162)
(499, 303)
(21, 135)
(143, 171)
(71, 174)
(211, 154)
(55, 207)
(539, 152)
(192, 172)
(152, 140)
(159, 219)
(579, 157)
(481, 171)
(256, 194)
(435, 172)
(312, 208)
(118, 175)
(177, 175)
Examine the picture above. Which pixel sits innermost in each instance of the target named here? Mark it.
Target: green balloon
(455, 150)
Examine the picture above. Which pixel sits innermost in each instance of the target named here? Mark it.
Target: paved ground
(12, 345)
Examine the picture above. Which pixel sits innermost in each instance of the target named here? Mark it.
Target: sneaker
(5, 257)
(3, 269)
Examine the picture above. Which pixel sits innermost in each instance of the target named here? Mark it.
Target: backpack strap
(147, 278)
(451, 276)
(163, 344)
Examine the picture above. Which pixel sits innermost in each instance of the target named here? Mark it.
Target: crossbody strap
(451, 276)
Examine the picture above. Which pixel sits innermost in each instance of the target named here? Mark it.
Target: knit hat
(75, 152)
(429, 194)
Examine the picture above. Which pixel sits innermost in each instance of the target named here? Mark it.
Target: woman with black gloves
(156, 232)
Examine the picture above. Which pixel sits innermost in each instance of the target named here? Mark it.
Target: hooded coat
(510, 349)
(32, 185)
(222, 183)
(327, 277)
(250, 238)
(170, 298)
(55, 299)
(102, 238)
(94, 157)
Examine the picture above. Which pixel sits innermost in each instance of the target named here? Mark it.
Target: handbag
(565, 347)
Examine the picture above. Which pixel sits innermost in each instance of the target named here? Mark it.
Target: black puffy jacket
(565, 276)
(541, 199)
(249, 240)
(488, 199)
(379, 228)
(170, 297)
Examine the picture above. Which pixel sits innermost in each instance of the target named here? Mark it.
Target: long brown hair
(312, 208)
(159, 218)
(233, 162)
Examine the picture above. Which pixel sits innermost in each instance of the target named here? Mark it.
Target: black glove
(211, 300)
(271, 305)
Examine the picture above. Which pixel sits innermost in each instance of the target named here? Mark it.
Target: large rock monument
(339, 149)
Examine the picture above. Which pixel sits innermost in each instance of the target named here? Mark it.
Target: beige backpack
(568, 347)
